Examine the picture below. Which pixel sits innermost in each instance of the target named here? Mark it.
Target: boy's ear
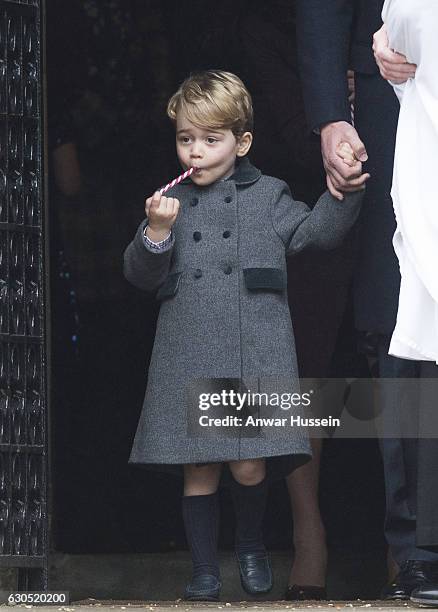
(244, 144)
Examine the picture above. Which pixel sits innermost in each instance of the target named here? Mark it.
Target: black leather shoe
(296, 592)
(412, 575)
(204, 587)
(255, 572)
(426, 595)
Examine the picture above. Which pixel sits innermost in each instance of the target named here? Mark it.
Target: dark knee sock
(249, 506)
(201, 521)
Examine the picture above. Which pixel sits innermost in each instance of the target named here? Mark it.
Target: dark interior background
(111, 69)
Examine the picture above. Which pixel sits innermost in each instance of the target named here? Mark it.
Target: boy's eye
(211, 140)
(184, 139)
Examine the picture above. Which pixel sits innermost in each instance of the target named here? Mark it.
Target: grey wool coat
(224, 313)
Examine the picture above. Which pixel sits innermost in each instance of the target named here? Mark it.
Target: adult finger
(335, 193)
(394, 77)
(341, 174)
(357, 184)
(403, 68)
(353, 184)
(401, 75)
(395, 81)
(404, 59)
(385, 54)
(394, 63)
(359, 149)
(347, 182)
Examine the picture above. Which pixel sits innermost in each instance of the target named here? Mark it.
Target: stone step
(162, 576)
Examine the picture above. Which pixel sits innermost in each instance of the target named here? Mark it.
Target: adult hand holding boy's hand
(161, 213)
(340, 176)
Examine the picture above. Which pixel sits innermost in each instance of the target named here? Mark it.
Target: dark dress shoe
(204, 587)
(255, 572)
(296, 592)
(426, 595)
(412, 575)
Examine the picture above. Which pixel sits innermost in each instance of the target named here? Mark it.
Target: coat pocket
(268, 279)
(170, 286)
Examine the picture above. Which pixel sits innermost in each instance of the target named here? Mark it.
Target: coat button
(226, 234)
(194, 202)
(197, 236)
(228, 199)
(197, 273)
(228, 270)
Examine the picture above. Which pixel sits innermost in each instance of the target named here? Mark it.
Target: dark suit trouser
(409, 483)
(427, 500)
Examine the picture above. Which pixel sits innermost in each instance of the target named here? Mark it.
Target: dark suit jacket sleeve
(323, 38)
(272, 72)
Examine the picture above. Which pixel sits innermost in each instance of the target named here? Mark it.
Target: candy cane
(177, 180)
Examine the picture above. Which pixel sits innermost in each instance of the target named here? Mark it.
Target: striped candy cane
(177, 180)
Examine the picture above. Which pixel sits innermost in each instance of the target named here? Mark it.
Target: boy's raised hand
(161, 213)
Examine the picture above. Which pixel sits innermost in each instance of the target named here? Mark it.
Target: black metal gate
(23, 395)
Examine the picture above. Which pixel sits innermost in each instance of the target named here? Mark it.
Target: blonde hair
(214, 99)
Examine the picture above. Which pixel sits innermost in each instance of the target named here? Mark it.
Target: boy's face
(212, 151)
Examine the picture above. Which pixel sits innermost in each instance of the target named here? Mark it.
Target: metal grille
(23, 407)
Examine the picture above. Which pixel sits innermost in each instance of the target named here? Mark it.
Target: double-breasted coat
(224, 313)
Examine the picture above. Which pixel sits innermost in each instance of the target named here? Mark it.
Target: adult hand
(340, 176)
(393, 66)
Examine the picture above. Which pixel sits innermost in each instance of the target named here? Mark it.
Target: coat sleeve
(323, 227)
(323, 39)
(143, 266)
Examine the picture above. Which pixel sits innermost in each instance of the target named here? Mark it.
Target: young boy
(215, 249)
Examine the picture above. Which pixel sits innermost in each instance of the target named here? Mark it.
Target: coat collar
(244, 174)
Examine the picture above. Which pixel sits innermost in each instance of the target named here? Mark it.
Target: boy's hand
(161, 213)
(346, 153)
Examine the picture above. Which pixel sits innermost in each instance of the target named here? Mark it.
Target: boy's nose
(196, 151)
